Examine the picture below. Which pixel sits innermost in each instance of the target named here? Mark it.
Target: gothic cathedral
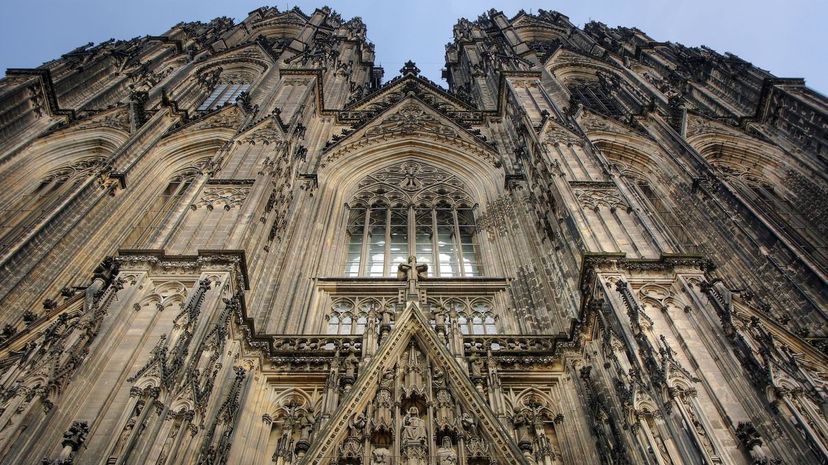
(236, 244)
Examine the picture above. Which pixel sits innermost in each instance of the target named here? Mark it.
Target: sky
(786, 38)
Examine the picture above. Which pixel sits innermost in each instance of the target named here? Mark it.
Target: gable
(413, 399)
(410, 118)
(410, 84)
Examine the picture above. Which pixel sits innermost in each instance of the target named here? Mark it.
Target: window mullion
(365, 239)
(387, 255)
(412, 231)
(435, 248)
(458, 246)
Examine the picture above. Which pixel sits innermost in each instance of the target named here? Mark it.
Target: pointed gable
(410, 117)
(439, 408)
(226, 117)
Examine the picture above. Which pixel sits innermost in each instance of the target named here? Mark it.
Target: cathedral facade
(236, 244)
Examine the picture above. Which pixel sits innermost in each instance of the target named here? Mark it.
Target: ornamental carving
(226, 197)
(410, 119)
(411, 183)
(264, 135)
(593, 199)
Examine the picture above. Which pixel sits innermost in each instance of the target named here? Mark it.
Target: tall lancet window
(412, 209)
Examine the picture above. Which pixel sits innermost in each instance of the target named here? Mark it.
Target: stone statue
(382, 410)
(102, 277)
(351, 363)
(468, 422)
(414, 430)
(412, 272)
(128, 428)
(444, 413)
(476, 365)
(439, 379)
(446, 454)
(380, 456)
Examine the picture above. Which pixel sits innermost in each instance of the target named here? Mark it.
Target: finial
(410, 67)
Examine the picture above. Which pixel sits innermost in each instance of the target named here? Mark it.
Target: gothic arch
(568, 66)
(482, 180)
(234, 67)
(278, 28)
(794, 198)
(55, 151)
(741, 155)
(531, 396)
(286, 397)
(178, 157)
(633, 156)
(645, 173)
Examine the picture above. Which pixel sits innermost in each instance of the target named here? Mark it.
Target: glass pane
(212, 98)
(399, 239)
(477, 325)
(490, 326)
(356, 226)
(447, 252)
(399, 246)
(376, 251)
(465, 217)
(333, 325)
(464, 325)
(352, 265)
(225, 97)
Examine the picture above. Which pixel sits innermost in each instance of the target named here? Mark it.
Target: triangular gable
(411, 84)
(115, 118)
(700, 126)
(554, 132)
(361, 409)
(229, 116)
(408, 117)
(265, 132)
(596, 123)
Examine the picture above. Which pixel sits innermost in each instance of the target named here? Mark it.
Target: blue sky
(785, 37)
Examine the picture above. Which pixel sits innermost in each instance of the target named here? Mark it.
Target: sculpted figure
(382, 412)
(102, 277)
(127, 431)
(380, 456)
(446, 454)
(444, 414)
(414, 430)
(468, 422)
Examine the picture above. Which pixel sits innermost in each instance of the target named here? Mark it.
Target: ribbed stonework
(235, 244)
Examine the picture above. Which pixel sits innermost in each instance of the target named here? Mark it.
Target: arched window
(412, 209)
(32, 207)
(160, 209)
(223, 94)
(474, 316)
(350, 315)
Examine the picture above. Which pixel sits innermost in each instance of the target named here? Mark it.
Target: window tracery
(474, 316)
(28, 209)
(161, 208)
(412, 209)
(351, 315)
